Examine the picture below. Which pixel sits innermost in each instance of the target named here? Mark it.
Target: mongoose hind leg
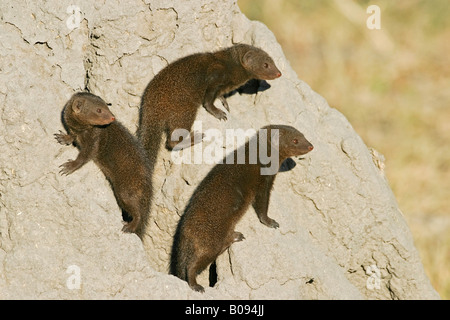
(232, 238)
(237, 236)
(131, 227)
(179, 134)
(200, 263)
(194, 268)
(177, 142)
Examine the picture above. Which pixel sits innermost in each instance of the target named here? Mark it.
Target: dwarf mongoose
(206, 228)
(173, 96)
(92, 127)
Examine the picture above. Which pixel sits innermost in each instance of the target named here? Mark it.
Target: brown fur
(91, 126)
(206, 228)
(173, 96)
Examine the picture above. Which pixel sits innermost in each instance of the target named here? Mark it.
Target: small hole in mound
(213, 274)
(126, 217)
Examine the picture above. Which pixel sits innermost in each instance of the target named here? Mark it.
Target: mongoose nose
(278, 74)
(310, 148)
(113, 118)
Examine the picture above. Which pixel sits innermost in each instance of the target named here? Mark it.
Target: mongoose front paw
(63, 138)
(221, 115)
(270, 223)
(68, 167)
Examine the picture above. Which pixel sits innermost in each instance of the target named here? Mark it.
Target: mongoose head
(91, 109)
(291, 142)
(259, 64)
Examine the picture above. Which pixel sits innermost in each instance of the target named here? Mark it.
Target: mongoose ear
(247, 59)
(77, 105)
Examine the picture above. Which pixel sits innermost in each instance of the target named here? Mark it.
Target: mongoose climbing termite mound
(92, 128)
(173, 96)
(206, 228)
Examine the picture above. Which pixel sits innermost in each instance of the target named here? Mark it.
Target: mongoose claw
(221, 115)
(237, 236)
(224, 103)
(63, 138)
(68, 167)
(270, 223)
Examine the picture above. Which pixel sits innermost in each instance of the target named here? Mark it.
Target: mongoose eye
(295, 141)
(266, 65)
(99, 110)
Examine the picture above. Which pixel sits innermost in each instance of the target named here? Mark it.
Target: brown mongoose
(92, 127)
(173, 96)
(206, 228)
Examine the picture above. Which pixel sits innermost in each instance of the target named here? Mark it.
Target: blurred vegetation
(392, 85)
